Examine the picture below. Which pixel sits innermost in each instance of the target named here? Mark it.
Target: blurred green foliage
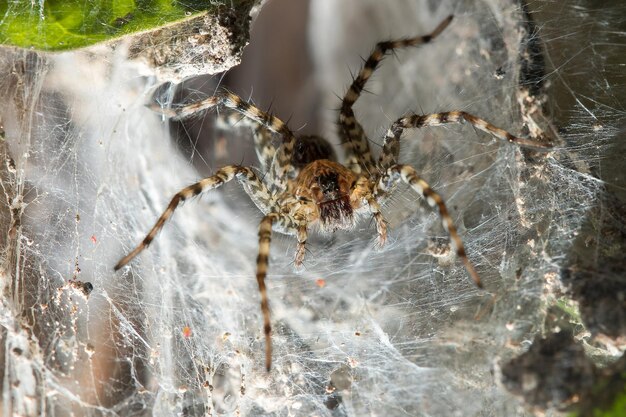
(55, 25)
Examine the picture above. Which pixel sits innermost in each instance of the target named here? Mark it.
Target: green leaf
(55, 25)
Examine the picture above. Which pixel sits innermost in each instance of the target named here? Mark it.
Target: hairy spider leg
(262, 264)
(381, 223)
(263, 146)
(288, 225)
(281, 168)
(354, 141)
(257, 191)
(301, 236)
(408, 174)
(391, 143)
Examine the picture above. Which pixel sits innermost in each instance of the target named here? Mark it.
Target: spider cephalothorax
(330, 186)
(302, 184)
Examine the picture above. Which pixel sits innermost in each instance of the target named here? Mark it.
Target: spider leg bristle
(365, 90)
(269, 109)
(289, 119)
(352, 76)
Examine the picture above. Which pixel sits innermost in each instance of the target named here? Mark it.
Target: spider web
(398, 331)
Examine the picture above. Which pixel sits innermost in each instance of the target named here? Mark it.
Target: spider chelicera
(303, 185)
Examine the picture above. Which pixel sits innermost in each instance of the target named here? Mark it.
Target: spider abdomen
(311, 148)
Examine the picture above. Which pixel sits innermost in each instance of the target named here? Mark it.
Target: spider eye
(328, 182)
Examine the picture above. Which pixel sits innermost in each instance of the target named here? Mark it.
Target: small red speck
(93, 239)
(320, 282)
(186, 332)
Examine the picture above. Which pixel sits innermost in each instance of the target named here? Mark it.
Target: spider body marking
(305, 186)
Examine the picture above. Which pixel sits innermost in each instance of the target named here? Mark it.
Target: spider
(303, 185)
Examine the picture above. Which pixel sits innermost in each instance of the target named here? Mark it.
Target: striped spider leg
(355, 143)
(391, 143)
(281, 170)
(251, 183)
(406, 173)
